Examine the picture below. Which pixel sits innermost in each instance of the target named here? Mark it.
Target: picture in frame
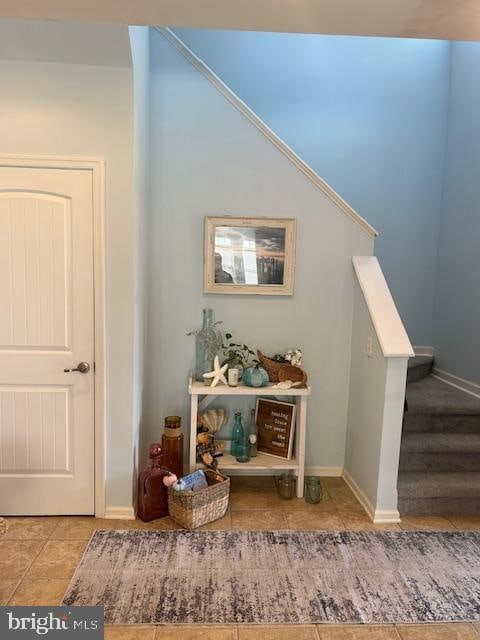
(249, 255)
(276, 427)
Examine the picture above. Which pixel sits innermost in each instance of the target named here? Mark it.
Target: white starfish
(218, 373)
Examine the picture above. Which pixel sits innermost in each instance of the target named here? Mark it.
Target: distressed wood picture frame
(249, 255)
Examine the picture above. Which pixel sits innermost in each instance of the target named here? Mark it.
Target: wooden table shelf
(262, 464)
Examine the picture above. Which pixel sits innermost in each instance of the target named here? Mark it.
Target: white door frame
(97, 167)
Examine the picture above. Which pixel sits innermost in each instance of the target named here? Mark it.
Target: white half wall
(379, 358)
(208, 159)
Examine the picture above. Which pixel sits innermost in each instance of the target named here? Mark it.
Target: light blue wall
(369, 115)
(208, 159)
(457, 318)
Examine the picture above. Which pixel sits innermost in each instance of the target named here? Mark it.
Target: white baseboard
(324, 471)
(120, 513)
(424, 351)
(455, 381)
(378, 516)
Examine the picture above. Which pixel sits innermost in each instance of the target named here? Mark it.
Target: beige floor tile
(258, 520)
(362, 522)
(222, 524)
(195, 632)
(252, 483)
(16, 556)
(130, 632)
(165, 524)
(344, 500)
(57, 560)
(309, 520)
(250, 500)
(466, 522)
(357, 632)
(426, 523)
(31, 528)
(43, 592)
(437, 632)
(333, 482)
(299, 504)
(273, 632)
(476, 626)
(77, 527)
(7, 587)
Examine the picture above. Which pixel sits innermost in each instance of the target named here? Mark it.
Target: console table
(262, 464)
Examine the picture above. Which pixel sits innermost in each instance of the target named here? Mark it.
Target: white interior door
(46, 326)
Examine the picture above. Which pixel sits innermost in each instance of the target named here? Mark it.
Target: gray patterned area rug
(280, 577)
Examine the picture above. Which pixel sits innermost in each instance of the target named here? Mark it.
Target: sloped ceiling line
(282, 146)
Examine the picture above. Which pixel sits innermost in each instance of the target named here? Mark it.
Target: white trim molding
(328, 472)
(424, 351)
(378, 516)
(97, 167)
(388, 325)
(280, 144)
(459, 383)
(119, 513)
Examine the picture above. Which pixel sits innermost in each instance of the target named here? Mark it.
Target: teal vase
(255, 377)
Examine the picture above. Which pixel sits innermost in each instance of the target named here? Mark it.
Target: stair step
(439, 462)
(419, 367)
(435, 406)
(438, 484)
(440, 442)
(440, 452)
(438, 506)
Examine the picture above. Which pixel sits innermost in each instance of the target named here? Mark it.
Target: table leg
(193, 433)
(302, 426)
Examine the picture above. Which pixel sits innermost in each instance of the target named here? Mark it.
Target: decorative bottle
(207, 344)
(172, 445)
(152, 493)
(238, 436)
(253, 435)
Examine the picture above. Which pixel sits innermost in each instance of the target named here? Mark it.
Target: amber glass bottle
(172, 445)
(152, 493)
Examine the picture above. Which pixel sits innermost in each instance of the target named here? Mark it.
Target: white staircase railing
(380, 353)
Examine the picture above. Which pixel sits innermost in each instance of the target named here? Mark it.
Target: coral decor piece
(218, 373)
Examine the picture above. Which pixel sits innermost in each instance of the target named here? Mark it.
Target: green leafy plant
(235, 353)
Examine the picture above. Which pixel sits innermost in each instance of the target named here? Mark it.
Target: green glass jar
(313, 490)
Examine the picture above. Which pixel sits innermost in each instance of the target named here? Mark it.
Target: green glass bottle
(253, 435)
(238, 436)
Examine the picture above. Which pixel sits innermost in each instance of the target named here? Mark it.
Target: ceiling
(444, 19)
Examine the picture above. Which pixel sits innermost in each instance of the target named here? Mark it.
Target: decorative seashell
(203, 438)
(214, 419)
(286, 384)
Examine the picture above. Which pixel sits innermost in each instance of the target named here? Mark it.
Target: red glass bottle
(172, 445)
(152, 493)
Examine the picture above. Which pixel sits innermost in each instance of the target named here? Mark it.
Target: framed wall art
(276, 427)
(249, 255)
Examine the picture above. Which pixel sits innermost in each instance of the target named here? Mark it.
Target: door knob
(82, 367)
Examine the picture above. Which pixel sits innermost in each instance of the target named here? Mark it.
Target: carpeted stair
(440, 451)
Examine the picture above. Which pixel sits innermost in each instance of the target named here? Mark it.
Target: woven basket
(281, 371)
(192, 509)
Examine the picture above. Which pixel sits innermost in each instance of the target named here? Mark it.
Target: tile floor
(38, 557)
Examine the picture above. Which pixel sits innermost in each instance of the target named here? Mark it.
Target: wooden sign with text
(276, 427)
